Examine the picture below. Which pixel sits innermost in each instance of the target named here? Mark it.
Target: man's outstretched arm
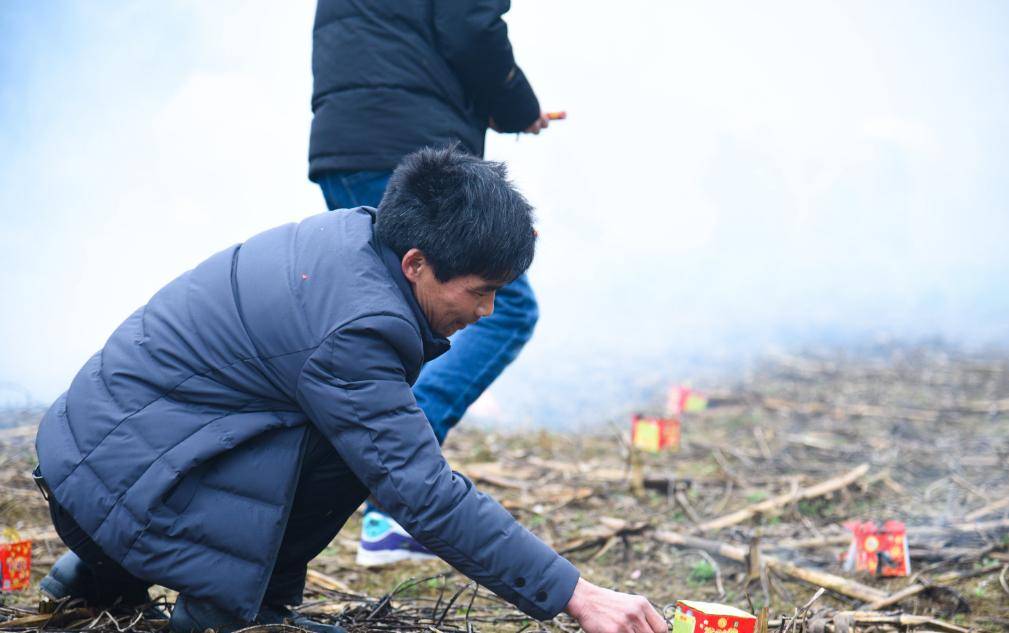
(354, 389)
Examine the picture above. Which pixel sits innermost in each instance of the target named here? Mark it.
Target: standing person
(392, 77)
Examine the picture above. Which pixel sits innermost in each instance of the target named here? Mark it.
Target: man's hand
(539, 124)
(600, 610)
(534, 128)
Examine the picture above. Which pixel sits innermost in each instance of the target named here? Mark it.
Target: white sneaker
(384, 542)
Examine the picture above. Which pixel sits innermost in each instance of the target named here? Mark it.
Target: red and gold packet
(655, 434)
(878, 551)
(693, 616)
(15, 562)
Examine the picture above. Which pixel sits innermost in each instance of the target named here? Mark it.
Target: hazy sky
(733, 176)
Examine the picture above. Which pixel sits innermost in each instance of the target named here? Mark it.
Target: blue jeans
(451, 382)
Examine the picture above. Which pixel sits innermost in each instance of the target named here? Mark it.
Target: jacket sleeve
(473, 39)
(354, 388)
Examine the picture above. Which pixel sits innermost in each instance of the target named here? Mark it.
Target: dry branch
(988, 509)
(494, 473)
(738, 553)
(981, 407)
(815, 541)
(950, 530)
(688, 509)
(609, 528)
(918, 587)
(39, 534)
(774, 503)
(325, 581)
(900, 620)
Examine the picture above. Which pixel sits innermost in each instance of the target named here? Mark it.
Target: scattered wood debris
(748, 513)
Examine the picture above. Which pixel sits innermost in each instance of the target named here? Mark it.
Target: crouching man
(228, 429)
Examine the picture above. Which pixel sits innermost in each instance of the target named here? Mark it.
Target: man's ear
(413, 263)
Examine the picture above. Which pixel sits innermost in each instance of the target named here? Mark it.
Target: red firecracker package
(682, 399)
(878, 551)
(709, 617)
(655, 434)
(15, 562)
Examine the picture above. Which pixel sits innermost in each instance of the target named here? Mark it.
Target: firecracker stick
(557, 116)
(774, 503)
(738, 553)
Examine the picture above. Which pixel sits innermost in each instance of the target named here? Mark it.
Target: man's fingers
(642, 625)
(656, 623)
(598, 610)
(646, 618)
(537, 125)
(637, 619)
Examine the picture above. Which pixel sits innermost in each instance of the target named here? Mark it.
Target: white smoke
(731, 177)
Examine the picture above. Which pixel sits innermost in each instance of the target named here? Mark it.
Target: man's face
(451, 305)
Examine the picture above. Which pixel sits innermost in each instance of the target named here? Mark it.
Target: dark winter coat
(177, 446)
(393, 76)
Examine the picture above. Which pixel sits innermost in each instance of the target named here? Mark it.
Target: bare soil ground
(748, 512)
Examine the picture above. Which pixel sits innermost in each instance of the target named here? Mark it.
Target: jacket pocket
(178, 497)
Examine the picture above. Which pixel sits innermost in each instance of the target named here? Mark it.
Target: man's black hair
(461, 212)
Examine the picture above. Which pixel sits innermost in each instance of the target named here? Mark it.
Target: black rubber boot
(283, 615)
(192, 615)
(70, 578)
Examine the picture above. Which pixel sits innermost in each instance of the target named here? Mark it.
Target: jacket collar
(434, 344)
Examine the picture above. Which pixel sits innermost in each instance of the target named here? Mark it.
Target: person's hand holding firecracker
(539, 124)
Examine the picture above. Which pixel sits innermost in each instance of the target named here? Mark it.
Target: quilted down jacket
(392, 76)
